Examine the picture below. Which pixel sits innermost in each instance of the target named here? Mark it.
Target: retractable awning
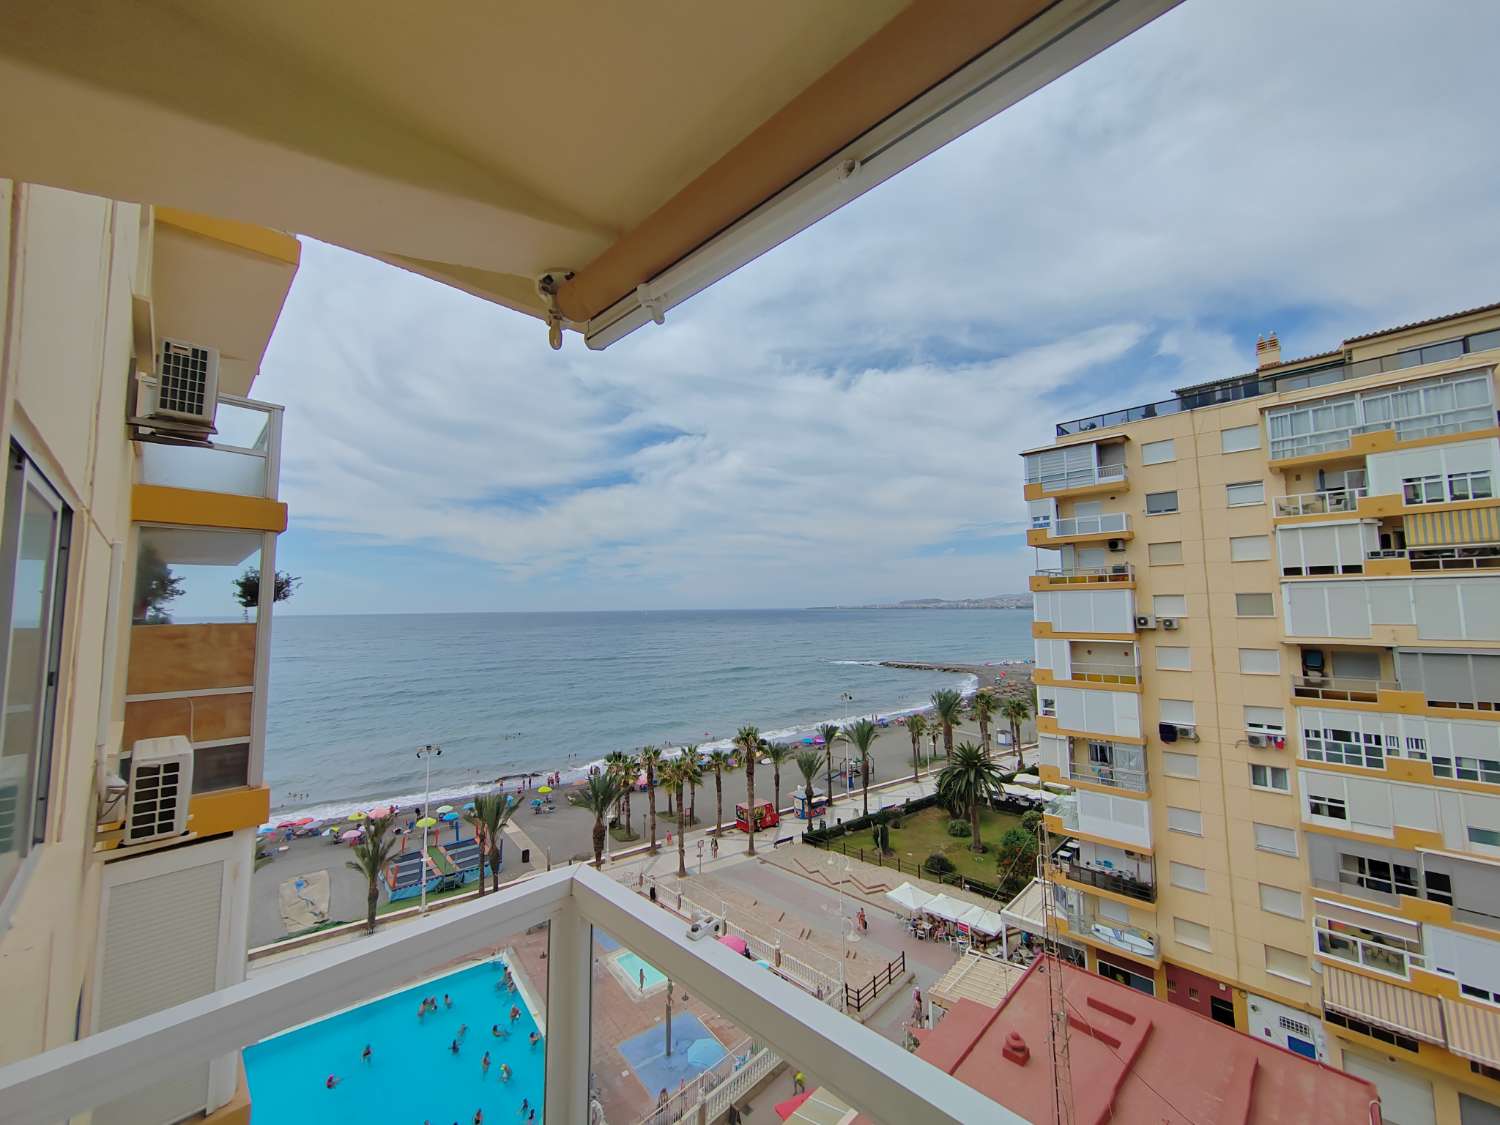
(1388, 1005)
(1450, 529)
(1473, 1031)
(590, 164)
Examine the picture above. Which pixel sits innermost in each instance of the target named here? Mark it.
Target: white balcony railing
(1090, 525)
(1088, 575)
(1102, 672)
(1346, 689)
(1121, 935)
(1102, 773)
(891, 1085)
(1078, 478)
(1320, 503)
(1407, 429)
(243, 458)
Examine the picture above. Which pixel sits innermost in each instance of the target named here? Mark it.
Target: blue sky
(839, 421)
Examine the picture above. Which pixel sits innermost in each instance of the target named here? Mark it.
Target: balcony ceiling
(486, 144)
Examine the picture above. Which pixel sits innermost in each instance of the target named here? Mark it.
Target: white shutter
(1185, 820)
(1405, 1099)
(1260, 661)
(1438, 614)
(1177, 711)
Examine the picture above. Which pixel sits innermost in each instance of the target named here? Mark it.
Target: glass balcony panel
(1320, 503)
(238, 461)
(1090, 525)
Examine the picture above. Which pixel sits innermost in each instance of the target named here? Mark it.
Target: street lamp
(426, 754)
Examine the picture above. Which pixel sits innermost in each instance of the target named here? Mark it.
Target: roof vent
(1015, 1049)
(1267, 351)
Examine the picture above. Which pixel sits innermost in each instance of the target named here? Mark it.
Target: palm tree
(630, 769)
(690, 753)
(617, 764)
(949, 706)
(749, 741)
(599, 793)
(719, 760)
(779, 753)
(968, 780)
(492, 811)
(829, 732)
(690, 777)
(862, 736)
(982, 707)
(372, 855)
(916, 726)
(673, 780)
(808, 762)
(651, 760)
(933, 730)
(1016, 710)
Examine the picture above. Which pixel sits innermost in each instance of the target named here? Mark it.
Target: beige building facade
(1268, 662)
(134, 683)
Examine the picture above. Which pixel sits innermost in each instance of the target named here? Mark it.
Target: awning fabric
(1368, 920)
(909, 897)
(1473, 1031)
(1389, 1005)
(947, 908)
(1444, 529)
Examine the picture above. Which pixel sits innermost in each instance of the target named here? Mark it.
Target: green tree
(247, 587)
(673, 781)
(967, 781)
(809, 762)
(719, 760)
(651, 761)
(949, 706)
(491, 813)
(749, 742)
(630, 769)
(861, 736)
(779, 753)
(692, 776)
(599, 794)
(372, 855)
(916, 726)
(1016, 710)
(1015, 860)
(829, 733)
(155, 588)
(982, 707)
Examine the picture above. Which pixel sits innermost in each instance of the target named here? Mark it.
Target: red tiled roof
(1424, 323)
(1135, 1060)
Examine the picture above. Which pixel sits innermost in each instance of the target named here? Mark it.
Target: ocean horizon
(353, 696)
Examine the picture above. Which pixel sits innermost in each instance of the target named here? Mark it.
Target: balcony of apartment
(1332, 501)
(1122, 875)
(1087, 480)
(563, 933)
(1120, 576)
(1052, 533)
(1088, 664)
(1085, 922)
(1107, 765)
(1101, 818)
(1443, 684)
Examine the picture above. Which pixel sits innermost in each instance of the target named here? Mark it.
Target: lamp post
(426, 754)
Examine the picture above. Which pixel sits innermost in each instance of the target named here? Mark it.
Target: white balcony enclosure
(1076, 466)
(1086, 711)
(1387, 472)
(1124, 820)
(1107, 524)
(1373, 806)
(1085, 610)
(1326, 548)
(1440, 609)
(888, 1083)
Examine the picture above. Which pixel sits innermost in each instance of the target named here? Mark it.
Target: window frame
(1173, 510)
(1231, 502)
(1224, 446)
(1270, 774)
(1170, 443)
(1255, 616)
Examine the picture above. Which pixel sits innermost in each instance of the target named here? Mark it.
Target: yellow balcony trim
(1408, 772)
(1040, 582)
(1112, 790)
(211, 814)
(1388, 568)
(1055, 824)
(1047, 724)
(1035, 491)
(1038, 537)
(1387, 506)
(1060, 875)
(157, 503)
(1050, 773)
(1044, 676)
(1378, 441)
(1044, 629)
(1408, 838)
(244, 236)
(1420, 910)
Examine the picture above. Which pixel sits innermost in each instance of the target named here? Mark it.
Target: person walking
(799, 1083)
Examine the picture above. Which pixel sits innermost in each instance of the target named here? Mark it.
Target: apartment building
(1268, 662)
(140, 495)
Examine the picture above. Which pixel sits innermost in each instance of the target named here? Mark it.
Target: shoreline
(327, 813)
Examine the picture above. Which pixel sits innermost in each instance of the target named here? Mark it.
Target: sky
(839, 421)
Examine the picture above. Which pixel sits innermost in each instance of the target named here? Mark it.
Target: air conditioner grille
(158, 794)
(183, 378)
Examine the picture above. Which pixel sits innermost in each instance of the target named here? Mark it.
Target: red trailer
(765, 817)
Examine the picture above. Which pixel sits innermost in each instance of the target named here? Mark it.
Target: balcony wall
(1394, 610)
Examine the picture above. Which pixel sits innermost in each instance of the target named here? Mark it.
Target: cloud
(839, 420)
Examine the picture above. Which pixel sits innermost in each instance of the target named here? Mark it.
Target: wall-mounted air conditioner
(161, 785)
(1167, 622)
(1260, 741)
(1187, 733)
(187, 386)
(1117, 545)
(1145, 621)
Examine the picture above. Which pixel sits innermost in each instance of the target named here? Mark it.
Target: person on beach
(799, 1083)
(496, 1032)
(479, 1117)
(525, 1105)
(366, 1054)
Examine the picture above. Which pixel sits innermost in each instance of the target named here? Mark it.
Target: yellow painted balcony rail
(1334, 500)
(1119, 573)
(1410, 560)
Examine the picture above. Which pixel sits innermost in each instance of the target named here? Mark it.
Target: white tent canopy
(982, 920)
(909, 897)
(949, 909)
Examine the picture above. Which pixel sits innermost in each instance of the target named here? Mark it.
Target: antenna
(1057, 1024)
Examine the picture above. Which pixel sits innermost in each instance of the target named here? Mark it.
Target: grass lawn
(927, 831)
(440, 860)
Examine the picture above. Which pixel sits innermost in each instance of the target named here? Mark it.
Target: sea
(353, 697)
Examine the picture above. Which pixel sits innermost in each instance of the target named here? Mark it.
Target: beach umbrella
(426, 822)
(383, 810)
(444, 809)
(735, 942)
(352, 835)
(818, 741)
(705, 1052)
(450, 815)
(356, 815)
(544, 789)
(807, 742)
(264, 830)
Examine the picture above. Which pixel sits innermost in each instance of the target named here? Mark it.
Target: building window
(1160, 503)
(1334, 808)
(1260, 662)
(1423, 490)
(1490, 1072)
(1280, 900)
(1237, 439)
(1275, 778)
(1346, 747)
(1188, 877)
(34, 541)
(1370, 949)
(1439, 887)
(1470, 486)
(1249, 548)
(1435, 489)
(1174, 658)
(1187, 821)
(1244, 495)
(1285, 963)
(1378, 875)
(1488, 837)
(1193, 934)
(1164, 554)
(1467, 769)
(1254, 605)
(1339, 1019)
(1046, 705)
(1158, 452)
(1274, 838)
(1179, 765)
(1169, 605)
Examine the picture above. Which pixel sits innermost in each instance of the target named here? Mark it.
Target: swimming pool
(633, 966)
(412, 1076)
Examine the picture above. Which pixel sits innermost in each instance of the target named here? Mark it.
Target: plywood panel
(190, 657)
(204, 719)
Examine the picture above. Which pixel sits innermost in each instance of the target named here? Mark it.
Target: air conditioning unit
(187, 386)
(1117, 545)
(1167, 622)
(1145, 621)
(707, 926)
(1259, 740)
(161, 784)
(1187, 734)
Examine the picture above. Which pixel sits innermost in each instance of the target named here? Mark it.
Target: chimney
(1015, 1049)
(1267, 351)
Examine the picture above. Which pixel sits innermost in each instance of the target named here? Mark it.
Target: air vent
(187, 384)
(1260, 740)
(1167, 622)
(1145, 621)
(161, 784)
(1117, 545)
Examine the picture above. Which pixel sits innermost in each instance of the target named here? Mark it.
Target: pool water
(413, 1076)
(634, 965)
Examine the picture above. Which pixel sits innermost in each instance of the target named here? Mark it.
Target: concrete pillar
(570, 980)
